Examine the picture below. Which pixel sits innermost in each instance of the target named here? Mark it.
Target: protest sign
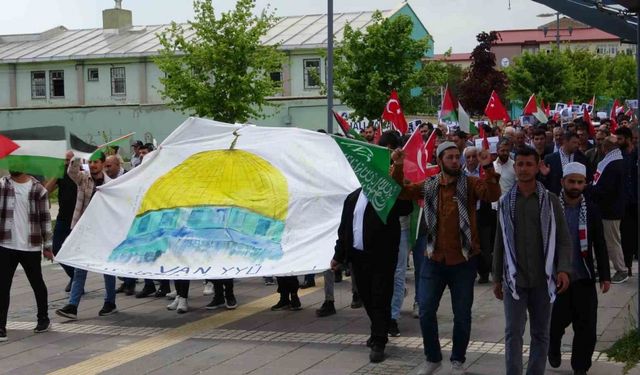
(493, 144)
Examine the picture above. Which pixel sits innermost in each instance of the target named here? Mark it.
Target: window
(311, 73)
(607, 49)
(118, 82)
(38, 85)
(276, 77)
(56, 83)
(93, 75)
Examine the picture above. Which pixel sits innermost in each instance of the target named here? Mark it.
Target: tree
(222, 71)
(368, 65)
(482, 77)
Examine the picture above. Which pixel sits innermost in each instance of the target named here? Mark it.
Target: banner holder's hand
(397, 156)
(563, 282)
(497, 290)
(335, 266)
(48, 254)
(605, 286)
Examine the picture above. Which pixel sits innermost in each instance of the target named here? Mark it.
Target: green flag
(109, 147)
(371, 163)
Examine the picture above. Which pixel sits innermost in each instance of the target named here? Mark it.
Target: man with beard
(607, 192)
(504, 165)
(596, 154)
(629, 223)
(532, 256)
(369, 133)
(540, 143)
(579, 304)
(452, 247)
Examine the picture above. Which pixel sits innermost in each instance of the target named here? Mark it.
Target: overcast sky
(453, 23)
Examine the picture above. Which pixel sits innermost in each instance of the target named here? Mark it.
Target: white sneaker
(172, 295)
(183, 307)
(416, 310)
(457, 368)
(208, 289)
(430, 368)
(173, 305)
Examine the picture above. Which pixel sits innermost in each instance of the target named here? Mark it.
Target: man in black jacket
(372, 248)
(579, 304)
(607, 192)
(551, 171)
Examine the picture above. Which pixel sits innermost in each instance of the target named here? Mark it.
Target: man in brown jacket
(452, 246)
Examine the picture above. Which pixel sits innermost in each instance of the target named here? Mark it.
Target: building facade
(103, 82)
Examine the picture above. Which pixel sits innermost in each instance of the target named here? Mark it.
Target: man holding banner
(451, 255)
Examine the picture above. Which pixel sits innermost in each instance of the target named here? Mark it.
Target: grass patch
(626, 350)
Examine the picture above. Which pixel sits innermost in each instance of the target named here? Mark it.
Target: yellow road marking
(175, 336)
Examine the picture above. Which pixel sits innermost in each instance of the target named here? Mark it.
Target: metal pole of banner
(330, 66)
(638, 145)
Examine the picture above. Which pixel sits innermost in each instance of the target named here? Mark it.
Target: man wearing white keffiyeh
(579, 304)
(532, 256)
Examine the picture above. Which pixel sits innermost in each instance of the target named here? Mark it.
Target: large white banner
(198, 209)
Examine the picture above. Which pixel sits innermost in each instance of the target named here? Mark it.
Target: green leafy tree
(222, 70)
(620, 74)
(368, 65)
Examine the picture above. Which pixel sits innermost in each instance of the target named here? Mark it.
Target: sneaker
(393, 328)
(183, 306)
(555, 360)
(231, 302)
(146, 292)
(269, 281)
(283, 304)
(108, 309)
(173, 305)
(457, 368)
(295, 303)
(3, 335)
(42, 326)
(416, 310)
(308, 284)
(356, 302)
(327, 309)
(162, 293)
(430, 368)
(619, 277)
(377, 353)
(69, 311)
(172, 295)
(216, 302)
(208, 289)
(484, 279)
(67, 288)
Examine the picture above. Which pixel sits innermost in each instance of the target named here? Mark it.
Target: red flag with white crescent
(393, 114)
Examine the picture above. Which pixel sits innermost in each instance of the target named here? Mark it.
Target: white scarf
(611, 156)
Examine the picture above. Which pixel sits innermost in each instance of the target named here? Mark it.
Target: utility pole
(330, 66)
(558, 30)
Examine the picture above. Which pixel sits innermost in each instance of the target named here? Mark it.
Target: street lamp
(557, 14)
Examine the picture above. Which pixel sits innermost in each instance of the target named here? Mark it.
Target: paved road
(145, 338)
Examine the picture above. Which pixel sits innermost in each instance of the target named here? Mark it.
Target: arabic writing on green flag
(371, 163)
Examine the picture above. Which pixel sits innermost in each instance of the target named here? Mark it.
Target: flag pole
(330, 66)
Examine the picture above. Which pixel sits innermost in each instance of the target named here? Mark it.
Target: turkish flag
(531, 107)
(613, 117)
(587, 119)
(416, 158)
(7, 146)
(495, 111)
(393, 113)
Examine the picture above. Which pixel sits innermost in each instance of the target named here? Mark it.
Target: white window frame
(39, 86)
(306, 76)
(90, 78)
(123, 78)
(53, 76)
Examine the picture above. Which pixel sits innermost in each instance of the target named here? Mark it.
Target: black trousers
(30, 261)
(182, 288)
(487, 220)
(60, 233)
(375, 281)
(629, 233)
(223, 287)
(577, 306)
(287, 285)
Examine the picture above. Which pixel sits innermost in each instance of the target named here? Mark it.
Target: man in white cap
(532, 258)
(453, 246)
(578, 306)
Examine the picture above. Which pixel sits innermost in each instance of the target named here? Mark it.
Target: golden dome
(221, 178)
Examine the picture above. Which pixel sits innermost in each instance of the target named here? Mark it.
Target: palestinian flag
(448, 113)
(346, 128)
(41, 151)
(7, 146)
(89, 152)
(81, 148)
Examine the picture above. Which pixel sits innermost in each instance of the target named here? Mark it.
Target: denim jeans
(536, 302)
(418, 260)
(400, 275)
(77, 287)
(434, 278)
(61, 231)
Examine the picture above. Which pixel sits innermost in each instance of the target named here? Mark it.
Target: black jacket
(381, 241)
(608, 194)
(597, 244)
(553, 180)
